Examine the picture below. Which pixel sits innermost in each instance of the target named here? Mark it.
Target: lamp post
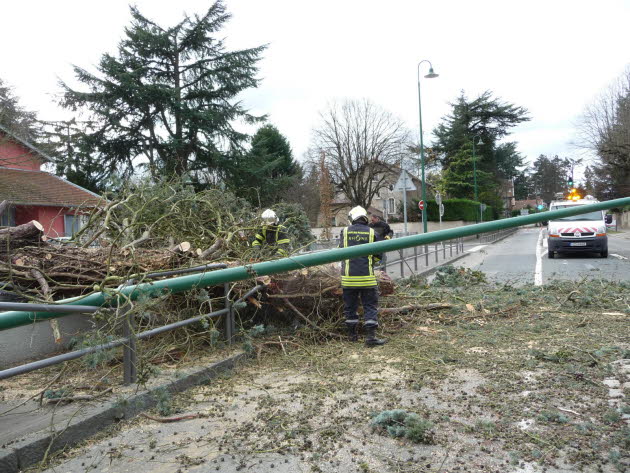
(475, 168)
(430, 75)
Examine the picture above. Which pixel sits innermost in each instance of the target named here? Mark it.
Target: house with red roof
(39, 195)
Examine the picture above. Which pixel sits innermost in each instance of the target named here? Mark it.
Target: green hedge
(454, 209)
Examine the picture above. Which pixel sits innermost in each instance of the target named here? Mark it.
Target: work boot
(370, 337)
(353, 332)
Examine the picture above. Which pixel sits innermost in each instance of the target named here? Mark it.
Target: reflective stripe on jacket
(357, 272)
(273, 235)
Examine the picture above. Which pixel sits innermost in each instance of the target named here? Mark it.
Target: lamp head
(480, 142)
(431, 74)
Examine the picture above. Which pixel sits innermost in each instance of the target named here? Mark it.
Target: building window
(8, 217)
(72, 224)
(391, 206)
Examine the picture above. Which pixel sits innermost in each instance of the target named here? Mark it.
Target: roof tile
(26, 187)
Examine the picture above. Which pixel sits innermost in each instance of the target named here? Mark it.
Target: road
(522, 259)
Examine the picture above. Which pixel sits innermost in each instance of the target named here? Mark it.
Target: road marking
(476, 248)
(589, 266)
(538, 279)
(618, 256)
(545, 243)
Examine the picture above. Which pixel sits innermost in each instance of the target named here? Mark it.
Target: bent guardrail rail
(184, 283)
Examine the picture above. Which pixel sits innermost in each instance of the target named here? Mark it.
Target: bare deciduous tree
(605, 129)
(361, 141)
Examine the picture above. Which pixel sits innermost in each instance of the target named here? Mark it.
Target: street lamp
(430, 75)
(475, 167)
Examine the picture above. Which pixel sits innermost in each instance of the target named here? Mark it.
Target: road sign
(404, 182)
(441, 210)
(421, 205)
(438, 198)
(483, 207)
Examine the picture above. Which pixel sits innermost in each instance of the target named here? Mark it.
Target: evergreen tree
(15, 118)
(458, 180)
(508, 160)
(169, 97)
(487, 118)
(523, 186)
(549, 176)
(266, 173)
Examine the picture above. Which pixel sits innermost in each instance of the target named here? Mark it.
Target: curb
(30, 450)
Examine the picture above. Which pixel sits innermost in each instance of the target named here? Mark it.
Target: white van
(580, 233)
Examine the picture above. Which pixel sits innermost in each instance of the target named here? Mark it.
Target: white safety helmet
(269, 217)
(356, 213)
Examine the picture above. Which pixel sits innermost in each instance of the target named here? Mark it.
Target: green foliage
(611, 416)
(172, 209)
(450, 276)
(170, 96)
(458, 179)
(559, 356)
(265, 174)
(16, 119)
(454, 209)
(486, 116)
(399, 423)
(549, 176)
(57, 393)
(293, 217)
(552, 416)
(97, 358)
(164, 401)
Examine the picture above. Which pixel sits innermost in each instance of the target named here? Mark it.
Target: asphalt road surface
(522, 259)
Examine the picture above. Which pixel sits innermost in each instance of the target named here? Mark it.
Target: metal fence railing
(421, 258)
(247, 272)
(129, 338)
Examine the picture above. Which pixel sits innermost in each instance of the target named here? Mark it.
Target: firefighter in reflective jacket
(358, 280)
(272, 235)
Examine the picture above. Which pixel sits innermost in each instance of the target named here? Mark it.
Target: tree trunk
(25, 230)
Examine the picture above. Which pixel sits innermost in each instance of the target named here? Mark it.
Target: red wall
(50, 217)
(14, 155)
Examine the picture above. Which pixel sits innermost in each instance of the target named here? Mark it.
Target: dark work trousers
(369, 300)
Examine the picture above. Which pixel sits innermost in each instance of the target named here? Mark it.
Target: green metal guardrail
(184, 283)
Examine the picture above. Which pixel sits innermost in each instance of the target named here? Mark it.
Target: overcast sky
(552, 57)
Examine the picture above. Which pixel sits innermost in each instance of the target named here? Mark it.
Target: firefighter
(272, 235)
(358, 280)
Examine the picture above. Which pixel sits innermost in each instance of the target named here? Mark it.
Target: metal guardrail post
(426, 255)
(402, 263)
(443, 250)
(130, 355)
(415, 258)
(229, 316)
(450, 248)
(437, 256)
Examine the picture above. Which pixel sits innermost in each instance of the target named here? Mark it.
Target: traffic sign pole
(404, 176)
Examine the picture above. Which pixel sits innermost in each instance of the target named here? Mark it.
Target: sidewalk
(30, 432)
